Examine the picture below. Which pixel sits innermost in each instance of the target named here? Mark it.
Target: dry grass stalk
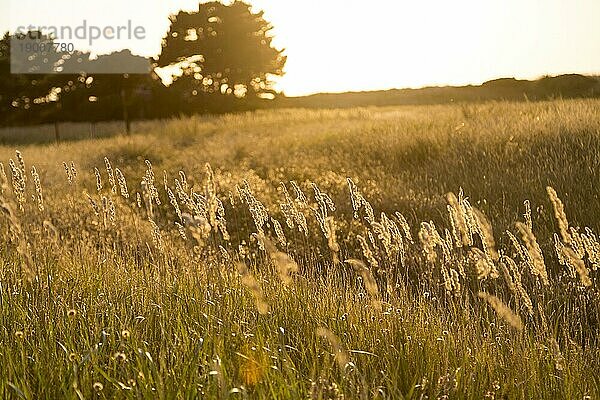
(483, 265)
(324, 203)
(98, 180)
(341, 356)
(174, 203)
(457, 219)
(3, 178)
(259, 213)
(111, 175)
(253, 286)
(18, 183)
(405, 227)
(527, 215)
(592, 248)
(428, 241)
(181, 231)
(534, 251)
(279, 232)
(484, 229)
(122, 183)
(502, 310)
(508, 278)
(147, 181)
(355, 197)
(451, 280)
(518, 288)
(332, 239)
(291, 211)
(358, 201)
(38, 188)
(183, 178)
(21, 161)
(284, 264)
(93, 203)
(575, 262)
(300, 196)
(198, 226)
(69, 173)
(559, 359)
(73, 171)
(367, 252)
(559, 214)
(29, 269)
(157, 236)
(369, 281)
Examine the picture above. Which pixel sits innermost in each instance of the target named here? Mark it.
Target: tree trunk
(56, 131)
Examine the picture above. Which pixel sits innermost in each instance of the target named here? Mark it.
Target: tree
(69, 86)
(221, 51)
(25, 96)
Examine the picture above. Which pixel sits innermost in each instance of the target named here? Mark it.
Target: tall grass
(308, 254)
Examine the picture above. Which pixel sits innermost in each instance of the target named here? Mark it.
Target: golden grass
(176, 263)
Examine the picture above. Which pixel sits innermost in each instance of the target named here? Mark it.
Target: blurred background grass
(405, 158)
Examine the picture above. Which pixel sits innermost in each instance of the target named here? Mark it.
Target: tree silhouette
(222, 50)
(71, 86)
(23, 96)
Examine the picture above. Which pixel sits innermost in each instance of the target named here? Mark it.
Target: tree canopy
(222, 49)
(223, 53)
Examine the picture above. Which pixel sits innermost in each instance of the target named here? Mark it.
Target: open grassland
(411, 252)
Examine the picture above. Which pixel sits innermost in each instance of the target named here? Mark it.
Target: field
(409, 253)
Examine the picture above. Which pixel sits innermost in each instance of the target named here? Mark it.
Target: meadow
(426, 252)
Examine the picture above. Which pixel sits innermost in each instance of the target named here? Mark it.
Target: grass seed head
(502, 310)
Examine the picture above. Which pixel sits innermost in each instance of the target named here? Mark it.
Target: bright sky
(341, 45)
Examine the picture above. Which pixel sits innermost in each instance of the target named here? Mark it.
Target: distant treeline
(233, 73)
(220, 57)
(225, 62)
(562, 86)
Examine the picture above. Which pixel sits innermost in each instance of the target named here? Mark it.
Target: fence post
(125, 112)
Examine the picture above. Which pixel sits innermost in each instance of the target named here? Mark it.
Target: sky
(351, 45)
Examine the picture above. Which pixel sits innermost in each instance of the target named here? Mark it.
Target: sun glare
(355, 45)
(351, 45)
